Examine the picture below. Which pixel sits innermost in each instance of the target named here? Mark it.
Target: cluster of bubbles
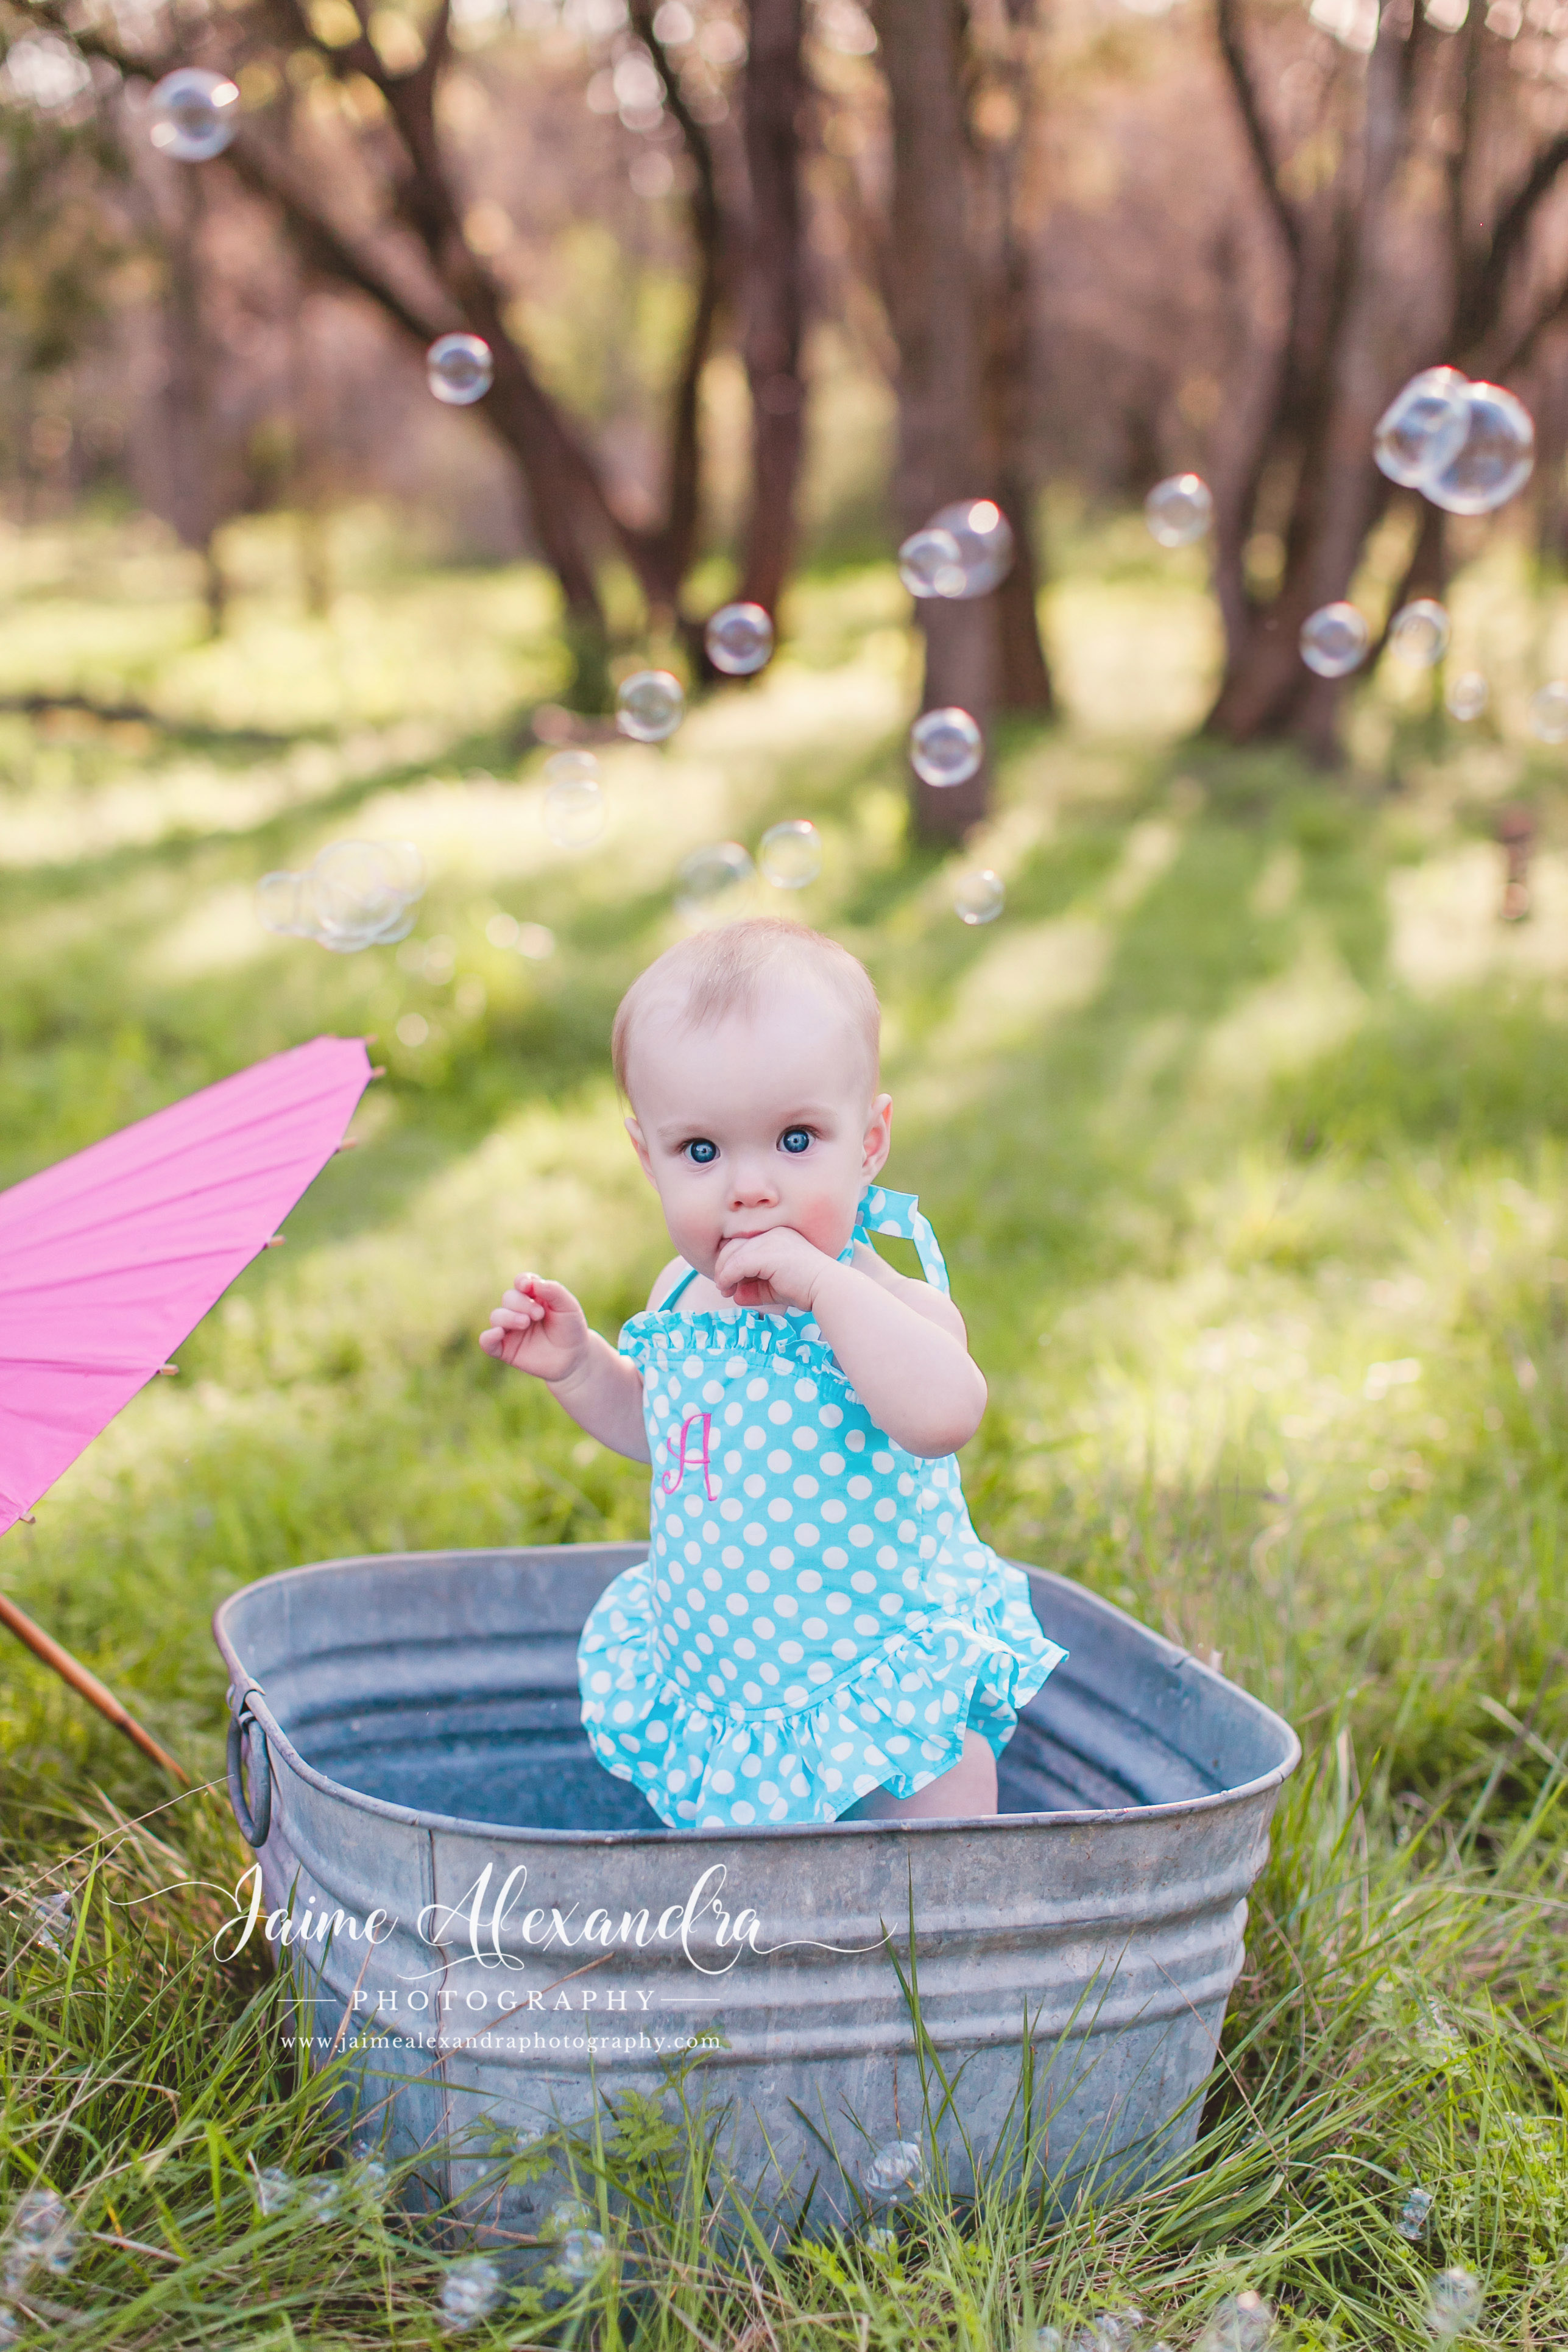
(580, 2248)
(1415, 2213)
(469, 2293)
(789, 856)
(1179, 509)
(1103, 2331)
(193, 114)
(965, 549)
(43, 2237)
(1466, 447)
(327, 2197)
(1239, 2323)
(894, 2171)
(353, 894)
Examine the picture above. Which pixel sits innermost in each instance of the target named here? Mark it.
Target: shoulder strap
(689, 1278)
(882, 1211)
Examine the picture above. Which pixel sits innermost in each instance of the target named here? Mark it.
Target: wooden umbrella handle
(72, 1671)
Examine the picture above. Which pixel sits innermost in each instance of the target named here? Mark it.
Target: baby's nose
(749, 1186)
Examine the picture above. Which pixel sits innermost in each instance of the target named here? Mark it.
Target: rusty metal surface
(541, 1935)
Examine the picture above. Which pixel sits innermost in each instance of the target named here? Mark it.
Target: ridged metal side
(421, 1717)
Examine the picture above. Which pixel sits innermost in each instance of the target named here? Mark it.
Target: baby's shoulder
(665, 1282)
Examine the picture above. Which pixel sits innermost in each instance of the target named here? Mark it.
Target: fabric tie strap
(881, 1211)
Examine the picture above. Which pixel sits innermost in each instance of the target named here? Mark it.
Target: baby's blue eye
(795, 1138)
(702, 1152)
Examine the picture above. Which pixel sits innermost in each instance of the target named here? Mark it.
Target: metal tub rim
(245, 1689)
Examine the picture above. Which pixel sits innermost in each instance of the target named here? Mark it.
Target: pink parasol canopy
(110, 1258)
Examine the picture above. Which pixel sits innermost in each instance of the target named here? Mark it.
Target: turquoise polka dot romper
(817, 1617)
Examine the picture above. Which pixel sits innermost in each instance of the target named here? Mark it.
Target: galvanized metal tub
(514, 1934)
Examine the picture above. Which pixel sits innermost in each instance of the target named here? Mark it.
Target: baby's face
(757, 1121)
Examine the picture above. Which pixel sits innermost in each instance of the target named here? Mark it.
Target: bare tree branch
(1486, 276)
(1258, 136)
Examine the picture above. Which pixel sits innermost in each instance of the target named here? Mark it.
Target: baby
(818, 1633)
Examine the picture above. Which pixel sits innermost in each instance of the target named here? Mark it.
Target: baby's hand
(780, 1268)
(538, 1327)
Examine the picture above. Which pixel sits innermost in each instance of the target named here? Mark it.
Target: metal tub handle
(253, 1825)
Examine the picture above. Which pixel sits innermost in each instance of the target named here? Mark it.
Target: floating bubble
(575, 802)
(459, 369)
(1239, 2323)
(946, 747)
(979, 896)
(709, 880)
(1467, 695)
(275, 2187)
(582, 2252)
(930, 563)
(1453, 2302)
(1496, 457)
(896, 2170)
(650, 706)
(983, 537)
(192, 115)
(1422, 427)
(1334, 640)
(355, 893)
(566, 2213)
(1415, 2213)
(1109, 2331)
(1419, 632)
(1549, 713)
(43, 2237)
(277, 902)
(1179, 509)
(791, 854)
(469, 2293)
(54, 1922)
(879, 2240)
(739, 638)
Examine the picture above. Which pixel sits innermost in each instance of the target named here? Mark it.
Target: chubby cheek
(823, 1215)
(693, 1216)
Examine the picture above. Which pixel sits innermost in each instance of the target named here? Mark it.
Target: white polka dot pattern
(913, 1628)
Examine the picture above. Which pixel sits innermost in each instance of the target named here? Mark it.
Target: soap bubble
(574, 803)
(983, 537)
(1422, 427)
(709, 879)
(739, 638)
(582, 2252)
(1419, 632)
(979, 897)
(1496, 457)
(791, 854)
(879, 2240)
(565, 2214)
(54, 1922)
(946, 747)
(1467, 695)
(1549, 713)
(930, 563)
(1109, 2331)
(1239, 2323)
(1334, 640)
(1179, 509)
(353, 894)
(572, 768)
(469, 2293)
(1453, 2302)
(459, 369)
(275, 2187)
(43, 2237)
(894, 2170)
(650, 706)
(1415, 2213)
(193, 114)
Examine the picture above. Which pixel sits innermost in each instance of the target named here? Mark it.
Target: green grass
(1246, 1132)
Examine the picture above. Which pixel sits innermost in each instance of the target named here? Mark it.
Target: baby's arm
(539, 1327)
(901, 1345)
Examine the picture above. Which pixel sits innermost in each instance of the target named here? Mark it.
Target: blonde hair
(718, 972)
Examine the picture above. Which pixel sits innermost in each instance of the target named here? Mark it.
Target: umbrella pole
(72, 1671)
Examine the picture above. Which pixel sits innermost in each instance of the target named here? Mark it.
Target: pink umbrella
(110, 1258)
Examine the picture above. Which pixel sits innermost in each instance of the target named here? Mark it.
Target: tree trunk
(1023, 677)
(188, 406)
(935, 304)
(774, 295)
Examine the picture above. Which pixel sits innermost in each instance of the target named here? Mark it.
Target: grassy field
(1246, 1132)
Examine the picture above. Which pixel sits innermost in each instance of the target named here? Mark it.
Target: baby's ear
(879, 1139)
(640, 1148)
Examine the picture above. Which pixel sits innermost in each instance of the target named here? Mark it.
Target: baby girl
(818, 1633)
